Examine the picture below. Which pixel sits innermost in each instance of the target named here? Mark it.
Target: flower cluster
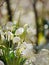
(17, 39)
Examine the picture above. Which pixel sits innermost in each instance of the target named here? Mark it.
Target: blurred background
(32, 12)
(24, 25)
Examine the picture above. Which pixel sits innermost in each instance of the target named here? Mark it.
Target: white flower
(26, 49)
(9, 26)
(46, 26)
(28, 45)
(16, 39)
(27, 53)
(31, 31)
(10, 35)
(19, 31)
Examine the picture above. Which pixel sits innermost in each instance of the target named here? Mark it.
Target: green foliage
(10, 57)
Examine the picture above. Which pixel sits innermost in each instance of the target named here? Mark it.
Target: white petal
(16, 39)
(10, 35)
(9, 26)
(31, 31)
(19, 31)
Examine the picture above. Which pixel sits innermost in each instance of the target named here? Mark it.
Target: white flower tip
(26, 25)
(16, 39)
(19, 31)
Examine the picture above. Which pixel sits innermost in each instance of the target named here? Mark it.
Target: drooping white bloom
(26, 45)
(19, 31)
(9, 26)
(16, 40)
(46, 26)
(26, 49)
(27, 53)
(31, 31)
(10, 35)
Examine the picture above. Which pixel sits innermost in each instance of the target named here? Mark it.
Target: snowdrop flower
(31, 31)
(46, 26)
(27, 45)
(23, 46)
(16, 40)
(10, 35)
(27, 53)
(9, 26)
(19, 31)
(26, 49)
